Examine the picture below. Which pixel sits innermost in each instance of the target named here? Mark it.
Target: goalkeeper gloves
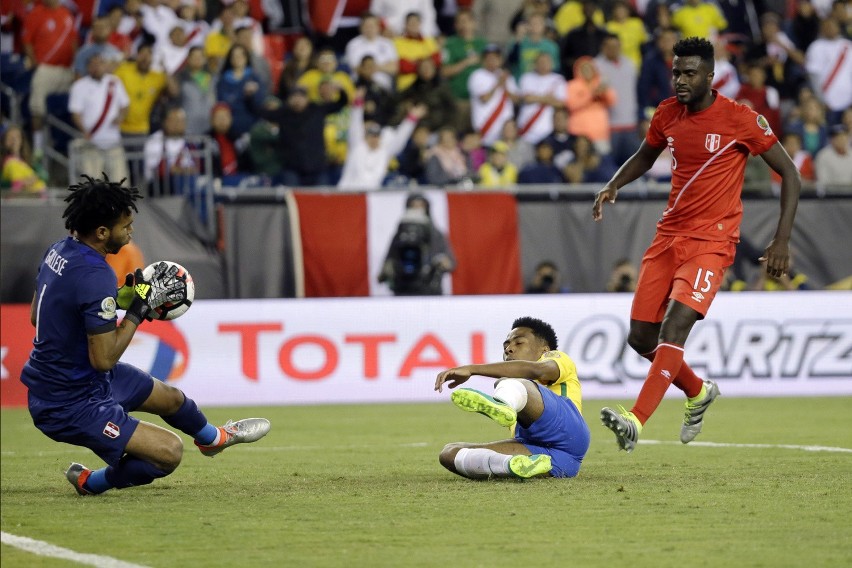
(141, 296)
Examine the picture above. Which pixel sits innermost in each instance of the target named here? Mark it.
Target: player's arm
(106, 348)
(546, 371)
(777, 254)
(633, 168)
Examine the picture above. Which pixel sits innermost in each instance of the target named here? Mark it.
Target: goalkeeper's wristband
(138, 311)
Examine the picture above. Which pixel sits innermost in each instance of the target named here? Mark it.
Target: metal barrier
(14, 103)
(154, 173)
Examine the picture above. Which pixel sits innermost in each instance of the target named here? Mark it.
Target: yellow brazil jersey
(632, 34)
(699, 21)
(570, 16)
(568, 384)
(143, 90)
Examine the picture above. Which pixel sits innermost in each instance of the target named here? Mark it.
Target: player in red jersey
(710, 138)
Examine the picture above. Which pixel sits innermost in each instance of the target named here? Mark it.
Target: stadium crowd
(488, 93)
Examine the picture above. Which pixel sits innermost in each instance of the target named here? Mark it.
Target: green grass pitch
(361, 486)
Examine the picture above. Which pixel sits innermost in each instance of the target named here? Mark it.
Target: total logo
(159, 348)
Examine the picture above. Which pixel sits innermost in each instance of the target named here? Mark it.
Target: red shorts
(684, 269)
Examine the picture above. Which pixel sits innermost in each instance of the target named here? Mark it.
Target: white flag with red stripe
(344, 238)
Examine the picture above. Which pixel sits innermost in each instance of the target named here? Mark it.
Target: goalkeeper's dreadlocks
(98, 202)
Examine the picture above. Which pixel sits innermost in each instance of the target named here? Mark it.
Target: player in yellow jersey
(537, 394)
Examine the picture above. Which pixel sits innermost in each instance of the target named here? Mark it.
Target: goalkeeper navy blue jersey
(75, 297)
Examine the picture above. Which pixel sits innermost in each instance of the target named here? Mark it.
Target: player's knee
(171, 453)
(447, 457)
(641, 342)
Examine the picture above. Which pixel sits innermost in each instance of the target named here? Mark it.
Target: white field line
(41, 548)
(759, 446)
(304, 448)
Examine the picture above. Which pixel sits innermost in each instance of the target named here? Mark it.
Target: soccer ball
(172, 310)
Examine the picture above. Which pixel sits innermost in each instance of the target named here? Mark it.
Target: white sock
(480, 463)
(513, 392)
(38, 140)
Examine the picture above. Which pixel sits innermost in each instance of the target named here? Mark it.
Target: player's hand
(125, 294)
(164, 286)
(608, 194)
(452, 378)
(777, 258)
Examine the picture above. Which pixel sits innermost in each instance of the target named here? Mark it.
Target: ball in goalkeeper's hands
(172, 310)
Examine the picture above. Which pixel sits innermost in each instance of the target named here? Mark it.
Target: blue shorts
(560, 432)
(101, 422)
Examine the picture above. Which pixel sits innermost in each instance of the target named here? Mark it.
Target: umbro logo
(666, 374)
(697, 296)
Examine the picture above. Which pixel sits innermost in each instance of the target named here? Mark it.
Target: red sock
(686, 379)
(668, 360)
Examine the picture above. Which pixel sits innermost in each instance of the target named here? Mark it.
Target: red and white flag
(342, 241)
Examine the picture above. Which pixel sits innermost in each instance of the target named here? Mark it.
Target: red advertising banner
(16, 338)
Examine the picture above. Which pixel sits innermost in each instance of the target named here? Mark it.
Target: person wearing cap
(834, 162)
(371, 147)
(498, 172)
(493, 94)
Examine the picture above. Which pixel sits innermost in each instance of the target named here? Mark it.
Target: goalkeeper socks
(97, 482)
(667, 363)
(686, 379)
(132, 471)
(481, 463)
(190, 420)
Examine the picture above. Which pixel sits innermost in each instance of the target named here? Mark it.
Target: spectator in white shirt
(167, 154)
(372, 43)
(541, 91)
(371, 147)
(833, 164)
(493, 92)
(98, 104)
(828, 62)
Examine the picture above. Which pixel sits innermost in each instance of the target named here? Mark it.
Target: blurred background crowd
(362, 94)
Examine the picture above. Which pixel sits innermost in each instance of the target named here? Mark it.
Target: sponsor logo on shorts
(697, 296)
(112, 430)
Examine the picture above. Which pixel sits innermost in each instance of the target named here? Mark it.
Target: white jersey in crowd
(489, 117)
(159, 21)
(829, 64)
(535, 120)
(380, 48)
(166, 152)
(393, 12)
(99, 103)
(365, 168)
(169, 57)
(725, 79)
(196, 32)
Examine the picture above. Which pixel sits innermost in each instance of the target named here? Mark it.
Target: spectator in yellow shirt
(411, 47)
(498, 172)
(570, 15)
(144, 87)
(699, 19)
(630, 30)
(326, 71)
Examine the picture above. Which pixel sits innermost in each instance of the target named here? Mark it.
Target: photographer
(419, 254)
(623, 277)
(546, 279)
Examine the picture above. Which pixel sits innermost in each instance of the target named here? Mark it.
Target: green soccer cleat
(624, 425)
(530, 466)
(472, 400)
(693, 418)
(239, 432)
(77, 474)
